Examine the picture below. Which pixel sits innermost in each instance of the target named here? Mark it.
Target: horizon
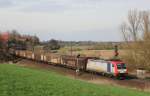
(68, 20)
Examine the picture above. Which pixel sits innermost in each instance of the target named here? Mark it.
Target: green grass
(19, 81)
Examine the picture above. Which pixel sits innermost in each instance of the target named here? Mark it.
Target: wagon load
(16, 53)
(37, 56)
(69, 61)
(46, 57)
(29, 54)
(22, 53)
(55, 58)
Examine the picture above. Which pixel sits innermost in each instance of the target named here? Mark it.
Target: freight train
(114, 68)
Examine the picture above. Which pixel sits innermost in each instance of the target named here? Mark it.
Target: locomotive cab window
(121, 66)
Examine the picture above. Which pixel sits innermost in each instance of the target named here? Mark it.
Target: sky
(69, 20)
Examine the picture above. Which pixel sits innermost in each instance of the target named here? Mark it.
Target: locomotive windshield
(121, 66)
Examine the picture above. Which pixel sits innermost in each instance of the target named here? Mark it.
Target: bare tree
(134, 19)
(136, 34)
(146, 25)
(130, 29)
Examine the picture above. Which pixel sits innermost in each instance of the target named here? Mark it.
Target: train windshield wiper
(121, 66)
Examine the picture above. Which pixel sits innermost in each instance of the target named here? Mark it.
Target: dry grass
(98, 53)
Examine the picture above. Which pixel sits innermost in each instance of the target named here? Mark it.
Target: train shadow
(130, 77)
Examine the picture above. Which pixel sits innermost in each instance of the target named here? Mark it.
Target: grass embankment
(19, 81)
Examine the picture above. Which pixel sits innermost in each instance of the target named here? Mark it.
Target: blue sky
(96, 20)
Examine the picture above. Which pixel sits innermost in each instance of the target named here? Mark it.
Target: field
(21, 81)
(97, 53)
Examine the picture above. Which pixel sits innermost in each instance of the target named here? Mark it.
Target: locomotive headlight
(122, 71)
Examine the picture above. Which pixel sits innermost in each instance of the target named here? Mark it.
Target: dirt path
(88, 77)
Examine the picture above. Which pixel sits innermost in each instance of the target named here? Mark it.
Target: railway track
(88, 77)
